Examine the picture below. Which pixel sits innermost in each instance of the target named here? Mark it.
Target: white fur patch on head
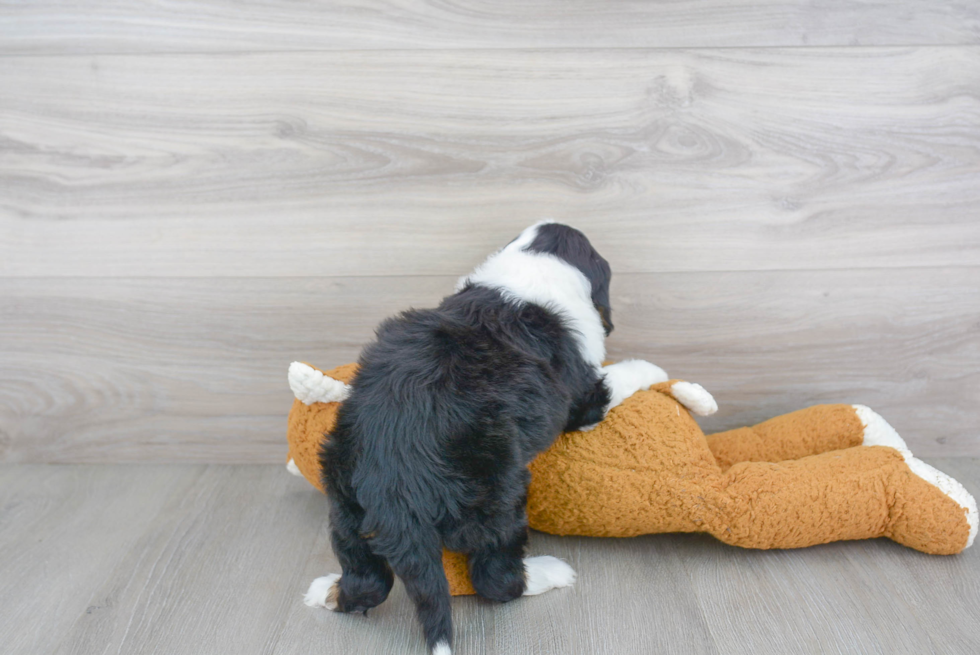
(694, 397)
(442, 648)
(545, 572)
(527, 236)
(323, 592)
(877, 432)
(625, 378)
(547, 281)
(311, 386)
(292, 468)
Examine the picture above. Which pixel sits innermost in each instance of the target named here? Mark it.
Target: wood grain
(420, 162)
(187, 559)
(65, 531)
(219, 25)
(112, 370)
(217, 571)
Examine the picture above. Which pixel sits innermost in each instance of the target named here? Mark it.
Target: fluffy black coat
(447, 409)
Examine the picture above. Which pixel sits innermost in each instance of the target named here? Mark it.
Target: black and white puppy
(448, 408)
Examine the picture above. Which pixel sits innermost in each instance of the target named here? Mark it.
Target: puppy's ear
(600, 277)
(605, 314)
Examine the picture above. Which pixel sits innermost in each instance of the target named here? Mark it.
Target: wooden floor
(211, 559)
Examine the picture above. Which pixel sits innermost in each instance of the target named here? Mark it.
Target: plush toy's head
(309, 421)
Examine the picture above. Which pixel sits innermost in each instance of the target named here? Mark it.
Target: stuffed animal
(821, 474)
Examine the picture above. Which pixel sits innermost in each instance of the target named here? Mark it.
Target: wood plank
(109, 370)
(65, 530)
(420, 163)
(217, 571)
(192, 559)
(812, 600)
(769, 343)
(219, 25)
(114, 370)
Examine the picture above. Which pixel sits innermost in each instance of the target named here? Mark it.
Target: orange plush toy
(821, 474)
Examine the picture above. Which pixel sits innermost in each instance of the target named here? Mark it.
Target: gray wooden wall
(192, 196)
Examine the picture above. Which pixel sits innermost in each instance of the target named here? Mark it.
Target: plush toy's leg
(877, 432)
(856, 493)
(798, 434)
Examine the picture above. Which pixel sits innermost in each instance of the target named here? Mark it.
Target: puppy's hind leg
(366, 579)
(502, 572)
(497, 571)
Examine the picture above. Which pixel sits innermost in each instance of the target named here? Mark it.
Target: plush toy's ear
(318, 397)
(311, 386)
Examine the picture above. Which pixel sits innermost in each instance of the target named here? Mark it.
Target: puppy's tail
(414, 552)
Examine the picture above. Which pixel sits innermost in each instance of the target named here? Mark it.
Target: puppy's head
(571, 246)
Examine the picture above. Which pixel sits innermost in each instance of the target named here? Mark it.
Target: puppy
(448, 408)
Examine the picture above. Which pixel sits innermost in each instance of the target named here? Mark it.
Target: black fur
(431, 449)
(553, 238)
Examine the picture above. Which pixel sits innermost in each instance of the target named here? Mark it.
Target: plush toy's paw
(292, 468)
(323, 592)
(694, 397)
(877, 432)
(545, 572)
(311, 386)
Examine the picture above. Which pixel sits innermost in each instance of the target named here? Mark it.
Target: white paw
(694, 397)
(292, 468)
(323, 592)
(623, 379)
(642, 372)
(442, 648)
(545, 572)
(311, 386)
(877, 432)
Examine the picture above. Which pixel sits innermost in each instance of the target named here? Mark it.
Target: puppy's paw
(323, 592)
(636, 373)
(623, 379)
(545, 572)
(645, 373)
